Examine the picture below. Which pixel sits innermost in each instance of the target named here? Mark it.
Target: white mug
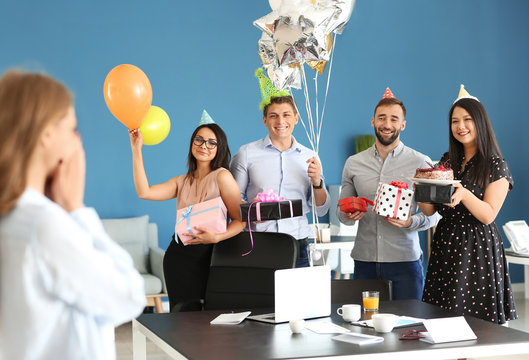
(350, 312)
(384, 323)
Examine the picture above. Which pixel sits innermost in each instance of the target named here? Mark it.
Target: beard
(389, 141)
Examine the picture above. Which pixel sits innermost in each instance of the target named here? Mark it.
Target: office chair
(350, 291)
(245, 282)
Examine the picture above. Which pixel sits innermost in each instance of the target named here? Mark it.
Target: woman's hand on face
(203, 236)
(136, 139)
(67, 183)
(458, 195)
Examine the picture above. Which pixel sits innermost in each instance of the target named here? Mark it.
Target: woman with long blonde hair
(64, 284)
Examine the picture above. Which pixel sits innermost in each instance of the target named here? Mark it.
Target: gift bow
(187, 213)
(399, 184)
(268, 196)
(364, 200)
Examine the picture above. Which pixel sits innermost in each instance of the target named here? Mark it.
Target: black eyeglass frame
(210, 144)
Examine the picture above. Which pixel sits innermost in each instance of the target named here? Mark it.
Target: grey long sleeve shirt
(377, 240)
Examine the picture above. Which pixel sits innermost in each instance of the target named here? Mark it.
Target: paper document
(447, 330)
(359, 339)
(231, 318)
(325, 327)
(402, 322)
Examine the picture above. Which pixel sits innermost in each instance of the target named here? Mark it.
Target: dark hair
(390, 101)
(486, 143)
(281, 100)
(221, 159)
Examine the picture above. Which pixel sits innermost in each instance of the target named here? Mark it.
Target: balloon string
(317, 111)
(312, 139)
(307, 106)
(310, 118)
(327, 88)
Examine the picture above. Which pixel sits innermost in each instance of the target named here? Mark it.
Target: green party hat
(205, 119)
(268, 90)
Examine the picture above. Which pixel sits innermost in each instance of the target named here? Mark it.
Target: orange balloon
(128, 94)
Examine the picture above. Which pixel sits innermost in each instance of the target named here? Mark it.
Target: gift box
(393, 200)
(435, 194)
(352, 204)
(273, 210)
(209, 214)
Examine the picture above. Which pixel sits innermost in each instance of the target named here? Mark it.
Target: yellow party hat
(463, 94)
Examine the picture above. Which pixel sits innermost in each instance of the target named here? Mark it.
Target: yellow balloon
(155, 126)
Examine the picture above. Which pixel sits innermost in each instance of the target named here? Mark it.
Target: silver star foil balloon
(267, 50)
(299, 28)
(285, 76)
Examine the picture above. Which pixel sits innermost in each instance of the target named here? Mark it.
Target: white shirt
(259, 166)
(64, 284)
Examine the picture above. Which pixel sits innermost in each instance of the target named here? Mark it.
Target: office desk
(190, 336)
(515, 258)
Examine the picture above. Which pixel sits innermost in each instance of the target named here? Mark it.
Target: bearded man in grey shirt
(386, 248)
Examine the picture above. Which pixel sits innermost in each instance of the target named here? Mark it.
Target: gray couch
(140, 239)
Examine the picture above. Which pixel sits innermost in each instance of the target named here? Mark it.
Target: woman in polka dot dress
(467, 270)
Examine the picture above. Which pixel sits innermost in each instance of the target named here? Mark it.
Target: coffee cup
(384, 323)
(296, 325)
(350, 312)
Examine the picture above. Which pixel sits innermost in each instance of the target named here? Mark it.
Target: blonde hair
(28, 103)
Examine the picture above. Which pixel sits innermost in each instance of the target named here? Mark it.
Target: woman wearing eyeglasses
(186, 267)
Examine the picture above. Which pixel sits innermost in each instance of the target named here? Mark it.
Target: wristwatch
(319, 186)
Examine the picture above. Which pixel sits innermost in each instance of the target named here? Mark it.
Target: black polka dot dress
(467, 269)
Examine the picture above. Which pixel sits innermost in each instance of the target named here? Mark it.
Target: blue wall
(203, 54)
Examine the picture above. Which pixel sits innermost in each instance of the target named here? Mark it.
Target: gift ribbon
(268, 196)
(399, 192)
(364, 200)
(399, 185)
(187, 213)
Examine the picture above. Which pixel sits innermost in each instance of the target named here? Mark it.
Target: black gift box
(272, 210)
(436, 194)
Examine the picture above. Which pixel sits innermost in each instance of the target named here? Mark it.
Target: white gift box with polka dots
(393, 202)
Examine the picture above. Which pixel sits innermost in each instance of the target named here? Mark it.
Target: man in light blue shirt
(386, 248)
(280, 163)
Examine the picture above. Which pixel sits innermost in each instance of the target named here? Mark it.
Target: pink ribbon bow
(268, 196)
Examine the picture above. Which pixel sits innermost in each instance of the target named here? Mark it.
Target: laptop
(301, 293)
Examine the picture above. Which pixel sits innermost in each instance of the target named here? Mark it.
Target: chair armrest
(156, 259)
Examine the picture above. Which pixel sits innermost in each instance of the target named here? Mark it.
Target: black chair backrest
(350, 291)
(244, 282)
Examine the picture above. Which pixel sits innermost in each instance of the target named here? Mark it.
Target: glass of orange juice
(370, 300)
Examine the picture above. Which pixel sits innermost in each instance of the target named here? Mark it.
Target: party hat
(388, 94)
(205, 119)
(463, 94)
(268, 90)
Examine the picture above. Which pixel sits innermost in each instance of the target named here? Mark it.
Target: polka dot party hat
(268, 90)
(463, 94)
(205, 119)
(388, 94)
